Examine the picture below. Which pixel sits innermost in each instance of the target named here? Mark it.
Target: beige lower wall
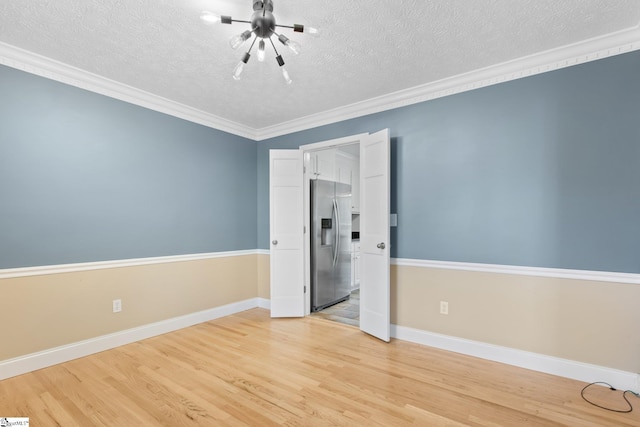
(580, 320)
(264, 279)
(43, 312)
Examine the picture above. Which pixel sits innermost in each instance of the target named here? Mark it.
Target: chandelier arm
(274, 47)
(241, 20)
(252, 43)
(298, 28)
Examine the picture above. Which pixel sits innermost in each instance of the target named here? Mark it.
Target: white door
(286, 233)
(375, 304)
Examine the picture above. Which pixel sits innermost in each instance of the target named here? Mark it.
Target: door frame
(307, 149)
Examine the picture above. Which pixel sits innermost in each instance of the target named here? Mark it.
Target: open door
(375, 304)
(286, 233)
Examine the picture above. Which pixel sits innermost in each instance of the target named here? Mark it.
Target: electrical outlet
(444, 307)
(117, 305)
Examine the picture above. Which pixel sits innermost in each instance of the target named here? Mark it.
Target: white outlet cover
(444, 307)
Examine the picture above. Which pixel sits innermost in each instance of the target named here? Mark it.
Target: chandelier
(263, 26)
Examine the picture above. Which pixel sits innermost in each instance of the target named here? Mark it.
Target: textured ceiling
(365, 49)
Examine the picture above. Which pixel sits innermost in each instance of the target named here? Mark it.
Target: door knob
(381, 245)
(275, 242)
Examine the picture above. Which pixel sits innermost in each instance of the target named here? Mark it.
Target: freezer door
(323, 243)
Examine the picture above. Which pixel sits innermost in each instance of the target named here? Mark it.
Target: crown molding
(584, 51)
(577, 53)
(39, 65)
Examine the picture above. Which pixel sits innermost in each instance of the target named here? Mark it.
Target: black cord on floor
(624, 396)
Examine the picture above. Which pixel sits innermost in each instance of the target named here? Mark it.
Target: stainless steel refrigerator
(330, 243)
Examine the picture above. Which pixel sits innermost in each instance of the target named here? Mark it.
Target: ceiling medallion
(263, 26)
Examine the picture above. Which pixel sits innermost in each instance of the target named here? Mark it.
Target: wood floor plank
(251, 370)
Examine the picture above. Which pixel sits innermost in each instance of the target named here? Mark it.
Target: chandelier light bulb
(285, 74)
(238, 70)
(209, 17)
(261, 53)
(312, 30)
(240, 67)
(236, 41)
(295, 47)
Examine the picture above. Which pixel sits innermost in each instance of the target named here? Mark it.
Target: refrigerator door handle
(337, 232)
(338, 229)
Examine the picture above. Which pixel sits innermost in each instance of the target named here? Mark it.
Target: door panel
(375, 305)
(286, 233)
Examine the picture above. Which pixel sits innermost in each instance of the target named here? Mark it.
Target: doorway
(289, 230)
(334, 281)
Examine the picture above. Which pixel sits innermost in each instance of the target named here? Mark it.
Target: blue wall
(542, 171)
(84, 177)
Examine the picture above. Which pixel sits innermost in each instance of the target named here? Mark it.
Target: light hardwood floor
(250, 370)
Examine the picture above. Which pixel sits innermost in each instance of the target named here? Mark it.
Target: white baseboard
(264, 303)
(31, 362)
(621, 380)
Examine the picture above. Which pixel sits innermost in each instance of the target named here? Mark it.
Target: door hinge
(305, 289)
(304, 169)
(304, 229)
